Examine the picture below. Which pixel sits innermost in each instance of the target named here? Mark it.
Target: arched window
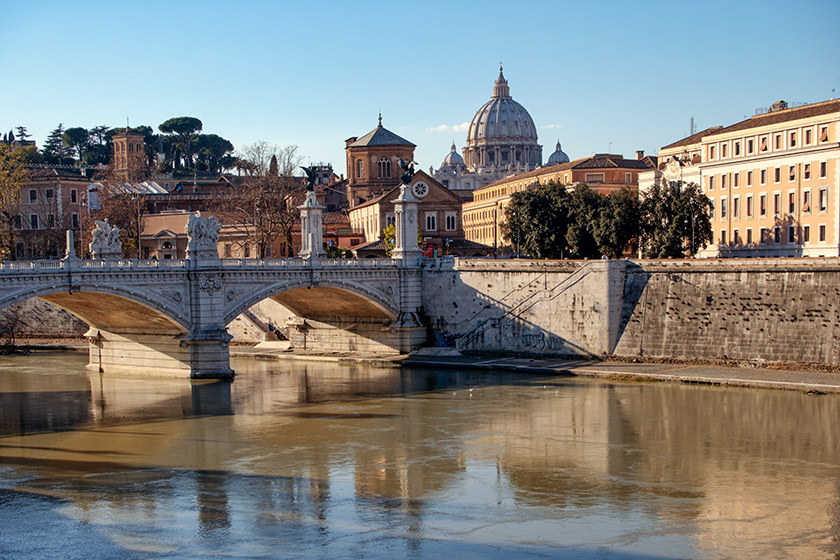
(384, 168)
(360, 169)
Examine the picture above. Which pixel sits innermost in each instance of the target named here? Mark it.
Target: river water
(317, 460)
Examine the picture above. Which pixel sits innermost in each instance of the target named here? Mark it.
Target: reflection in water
(328, 461)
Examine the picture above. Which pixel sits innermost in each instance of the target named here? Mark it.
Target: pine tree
(23, 134)
(55, 151)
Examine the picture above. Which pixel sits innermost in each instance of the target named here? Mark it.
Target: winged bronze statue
(408, 168)
(310, 178)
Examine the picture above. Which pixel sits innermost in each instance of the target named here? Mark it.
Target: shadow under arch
(110, 309)
(328, 299)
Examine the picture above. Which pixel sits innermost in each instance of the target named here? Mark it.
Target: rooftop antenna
(126, 124)
(609, 147)
(692, 127)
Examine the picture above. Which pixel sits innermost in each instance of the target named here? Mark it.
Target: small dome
(452, 159)
(559, 156)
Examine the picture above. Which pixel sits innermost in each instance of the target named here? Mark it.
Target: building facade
(373, 163)
(774, 181)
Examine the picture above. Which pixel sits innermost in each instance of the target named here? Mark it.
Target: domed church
(501, 141)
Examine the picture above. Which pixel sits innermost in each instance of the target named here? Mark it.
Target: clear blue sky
(595, 75)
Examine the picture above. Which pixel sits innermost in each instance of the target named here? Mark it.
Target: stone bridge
(170, 317)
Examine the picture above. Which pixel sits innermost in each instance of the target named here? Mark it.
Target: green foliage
(183, 129)
(55, 151)
(537, 221)
(77, 139)
(210, 149)
(583, 211)
(618, 223)
(675, 220)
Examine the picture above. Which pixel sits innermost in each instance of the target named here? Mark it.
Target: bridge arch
(109, 308)
(327, 299)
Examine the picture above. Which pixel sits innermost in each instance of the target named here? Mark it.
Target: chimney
(640, 154)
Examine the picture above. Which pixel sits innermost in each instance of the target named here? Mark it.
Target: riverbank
(805, 380)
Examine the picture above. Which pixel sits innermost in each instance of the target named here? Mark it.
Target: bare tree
(262, 204)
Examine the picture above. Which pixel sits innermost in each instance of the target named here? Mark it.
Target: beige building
(773, 180)
(677, 162)
(603, 173)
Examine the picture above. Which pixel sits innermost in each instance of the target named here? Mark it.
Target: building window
(762, 205)
(48, 194)
(762, 144)
(384, 168)
(712, 208)
(33, 196)
(33, 221)
(822, 232)
(247, 251)
(723, 202)
(711, 152)
(763, 176)
(593, 178)
(736, 207)
(778, 142)
(737, 148)
(823, 134)
(360, 169)
(628, 178)
(723, 181)
(791, 202)
(735, 180)
(749, 208)
(762, 235)
(807, 136)
(823, 169)
(792, 143)
(750, 146)
(806, 234)
(431, 221)
(451, 221)
(18, 221)
(712, 183)
(228, 250)
(74, 197)
(749, 236)
(806, 171)
(791, 234)
(736, 237)
(777, 175)
(74, 220)
(749, 178)
(792, 173)
(806, 202)
(723, 150)
(777, 204)
(723, 237)
(390, 219)
(823, 200)
(777, 235)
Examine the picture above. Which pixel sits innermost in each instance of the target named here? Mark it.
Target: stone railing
(24, 267)
(302, 263)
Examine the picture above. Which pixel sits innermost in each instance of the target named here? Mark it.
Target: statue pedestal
(312, 233)
(405, 214)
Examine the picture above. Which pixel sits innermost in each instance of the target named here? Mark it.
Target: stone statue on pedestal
(106, 242)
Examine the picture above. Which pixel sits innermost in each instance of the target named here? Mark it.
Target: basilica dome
(452, 159)
(559, 156)
(502, 133)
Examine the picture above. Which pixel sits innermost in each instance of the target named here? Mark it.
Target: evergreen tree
(55, 150)
(22, 133)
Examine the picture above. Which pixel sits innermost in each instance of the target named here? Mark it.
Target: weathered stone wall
(759, 310)
(747, 309)
(528, 307)
(38, 318)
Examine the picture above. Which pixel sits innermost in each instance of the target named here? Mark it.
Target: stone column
(405, 214)
(207, 340)
(312, 234)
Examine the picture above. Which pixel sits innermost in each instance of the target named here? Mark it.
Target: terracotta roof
(598, 161)
(693, 139)
(378, 245)
(603, 161)
(785, 115)
(335, 218)
(380, 136)
(53, 172)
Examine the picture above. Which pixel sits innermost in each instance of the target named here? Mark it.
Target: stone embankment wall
(40, 319)
(758, 310)
(528, 307)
